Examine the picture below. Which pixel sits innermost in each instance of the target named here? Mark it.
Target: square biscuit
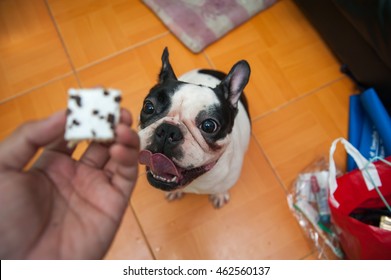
(92, 114)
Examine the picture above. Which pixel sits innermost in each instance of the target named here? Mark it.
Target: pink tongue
(158, 163)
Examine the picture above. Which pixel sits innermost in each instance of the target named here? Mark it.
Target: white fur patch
(197, 78)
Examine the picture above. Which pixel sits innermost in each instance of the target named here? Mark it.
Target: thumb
(18, 149)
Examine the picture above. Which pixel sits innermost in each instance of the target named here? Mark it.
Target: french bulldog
(194, 131)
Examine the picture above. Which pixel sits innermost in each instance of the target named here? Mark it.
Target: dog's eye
(148, 108)
(209, 126)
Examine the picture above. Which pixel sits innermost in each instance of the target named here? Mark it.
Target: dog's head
(184, 128)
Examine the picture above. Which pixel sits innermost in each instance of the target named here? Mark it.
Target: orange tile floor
(298, 102)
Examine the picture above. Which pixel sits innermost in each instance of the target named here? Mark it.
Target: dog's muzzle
(167, 138)
(163, 174)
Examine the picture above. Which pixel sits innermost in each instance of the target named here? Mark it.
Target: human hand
(61, 208)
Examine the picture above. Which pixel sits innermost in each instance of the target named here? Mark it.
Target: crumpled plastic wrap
(308, 203)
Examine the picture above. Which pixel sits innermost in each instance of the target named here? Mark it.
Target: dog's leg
(174, 195)
(219, 200)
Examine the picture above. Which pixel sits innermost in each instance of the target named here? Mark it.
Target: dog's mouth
(164, 174)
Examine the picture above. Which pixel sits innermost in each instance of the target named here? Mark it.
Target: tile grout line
(282, 185)
(63, 43)
(278, 177)
(132, 47)
(24, 92)
(312, 251)
(294, 100)
(269, 162)
(74, 71)
(144, 235)
(209, 60)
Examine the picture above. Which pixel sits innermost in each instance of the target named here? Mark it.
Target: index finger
(126, 117)
(123, 164)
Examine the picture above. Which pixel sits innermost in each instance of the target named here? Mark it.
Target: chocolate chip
(106, 93)
(77, 99)
(75, 122)
(95, 112)
(111, 118)
(93, 133)
(69, 111)
(118, 99)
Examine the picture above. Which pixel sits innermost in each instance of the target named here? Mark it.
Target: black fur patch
(160, 96)
(221, 75)
(224, 119)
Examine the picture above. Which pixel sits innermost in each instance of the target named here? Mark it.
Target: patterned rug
(198, 23)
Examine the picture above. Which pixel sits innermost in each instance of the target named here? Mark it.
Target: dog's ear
(234, 83)
(166, 73)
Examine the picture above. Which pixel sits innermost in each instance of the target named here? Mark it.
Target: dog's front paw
(174, 195)
(219, 200)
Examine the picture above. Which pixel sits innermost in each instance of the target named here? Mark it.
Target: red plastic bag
(356, 191)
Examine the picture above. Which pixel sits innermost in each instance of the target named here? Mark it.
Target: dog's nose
(168, 134)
